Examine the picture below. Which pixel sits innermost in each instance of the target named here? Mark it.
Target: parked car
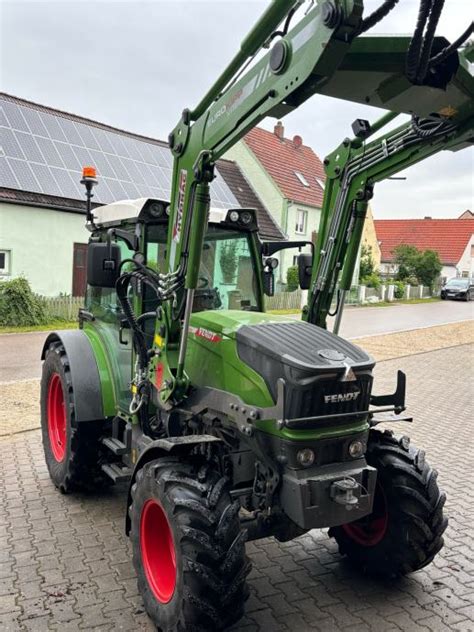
(458, 288)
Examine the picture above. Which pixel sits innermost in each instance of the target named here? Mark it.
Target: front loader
(228, 423)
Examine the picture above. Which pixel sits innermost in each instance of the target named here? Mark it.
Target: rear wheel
(188, 547)
(404, 531)
(72, 451)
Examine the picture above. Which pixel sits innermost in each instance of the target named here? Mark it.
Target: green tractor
(227, 423)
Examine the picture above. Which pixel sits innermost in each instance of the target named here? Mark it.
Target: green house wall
(41, 243)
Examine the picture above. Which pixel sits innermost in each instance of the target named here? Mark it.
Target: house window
(301, 221)
(302, 179)
(320, 182)
(4, 262)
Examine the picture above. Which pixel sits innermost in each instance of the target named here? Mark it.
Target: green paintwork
(330, 60)
(106, 373)
(324, 60)
(269, 426)
(228, 321)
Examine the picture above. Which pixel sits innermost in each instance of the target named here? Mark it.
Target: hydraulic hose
(377, 15)
(448, 50)
(147, 276)
(425, 55)
(416, 42)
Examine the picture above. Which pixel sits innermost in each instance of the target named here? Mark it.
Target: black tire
(210, 566)
(72, 451)
(405, 530)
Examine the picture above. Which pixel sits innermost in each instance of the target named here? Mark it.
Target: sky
(136, 64)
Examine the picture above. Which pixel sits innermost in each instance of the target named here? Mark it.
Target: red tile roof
(449, 237)
(281, 158)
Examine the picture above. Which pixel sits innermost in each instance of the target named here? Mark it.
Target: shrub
(292, 280)
(372, 280)
(19, 306)
(399, 289)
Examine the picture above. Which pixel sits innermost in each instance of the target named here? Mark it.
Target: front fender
(87, 391)
(171, 446)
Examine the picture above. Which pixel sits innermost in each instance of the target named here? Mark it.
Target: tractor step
(117, 473)
(115, 445)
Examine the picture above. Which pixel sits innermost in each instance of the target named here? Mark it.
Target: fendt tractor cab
(229, 423)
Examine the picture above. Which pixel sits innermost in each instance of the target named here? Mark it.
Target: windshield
(457, 283)
(226, 277)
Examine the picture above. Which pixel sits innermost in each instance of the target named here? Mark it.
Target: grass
(411, 301)
(54, 324)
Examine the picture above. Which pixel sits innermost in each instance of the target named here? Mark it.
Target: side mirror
(103, 263)
(305, 263)
(269, 266)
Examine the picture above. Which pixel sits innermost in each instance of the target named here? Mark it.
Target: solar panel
(15, 117)
(7, 176)
(10, 144)
(24, 175)
(30, 147)
(45, 154)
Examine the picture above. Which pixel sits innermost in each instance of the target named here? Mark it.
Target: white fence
(358, 295)
(66, 307)
(63, 307)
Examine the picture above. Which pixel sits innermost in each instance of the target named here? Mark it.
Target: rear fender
(171, 446)
(87, 392)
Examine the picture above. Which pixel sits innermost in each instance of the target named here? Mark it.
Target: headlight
(234, 216)
(356, 449)
(305, 457)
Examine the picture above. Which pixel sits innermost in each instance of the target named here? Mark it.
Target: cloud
(137, 64)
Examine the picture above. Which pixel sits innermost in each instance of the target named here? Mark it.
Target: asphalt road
(20, 353)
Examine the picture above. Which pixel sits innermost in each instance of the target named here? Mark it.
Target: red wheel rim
(158, 551)
(56, 417)
(370, 530)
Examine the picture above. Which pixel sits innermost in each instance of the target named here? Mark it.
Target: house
(42, 233)
(289, 178)
(453, 240)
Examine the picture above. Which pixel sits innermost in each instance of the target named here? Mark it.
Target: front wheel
(188, 547)
(404, 531)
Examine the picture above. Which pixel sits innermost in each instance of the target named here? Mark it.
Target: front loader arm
(305, 60)
(352, 170)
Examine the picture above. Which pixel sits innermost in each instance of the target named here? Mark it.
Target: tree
(428, 267)
(405, 257)
(425, 266)
(228, 260)
(367, 265)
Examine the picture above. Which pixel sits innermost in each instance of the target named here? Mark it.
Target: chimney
(279, 130)
(427, 217)
(297, 141)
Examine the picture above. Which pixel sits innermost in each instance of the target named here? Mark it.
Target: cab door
(114, 337)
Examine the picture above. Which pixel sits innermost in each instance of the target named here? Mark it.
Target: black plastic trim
(86, 386)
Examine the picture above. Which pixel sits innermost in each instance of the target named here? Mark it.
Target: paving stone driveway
(65, 563)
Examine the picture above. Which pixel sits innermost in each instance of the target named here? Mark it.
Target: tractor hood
(228, 322)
